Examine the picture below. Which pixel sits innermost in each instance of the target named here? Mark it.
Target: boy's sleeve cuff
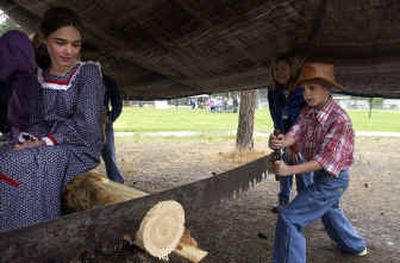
(330, 168)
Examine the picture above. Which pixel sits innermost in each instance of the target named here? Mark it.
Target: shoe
(359, 254)
(277, 209)
(362, 253)
(262, 235)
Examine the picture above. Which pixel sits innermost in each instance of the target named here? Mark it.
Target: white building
(391, 104)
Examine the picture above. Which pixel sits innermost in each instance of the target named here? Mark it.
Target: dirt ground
(228, 230)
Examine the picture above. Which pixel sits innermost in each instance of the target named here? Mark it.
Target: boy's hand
(276, 142)
(281, 168)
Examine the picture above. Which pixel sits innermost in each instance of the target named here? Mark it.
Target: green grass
(381, 120)
(152, 120)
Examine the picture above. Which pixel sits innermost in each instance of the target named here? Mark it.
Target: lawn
(152, 120)
(381, 120)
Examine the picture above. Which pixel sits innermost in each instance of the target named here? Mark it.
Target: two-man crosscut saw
(85, 230)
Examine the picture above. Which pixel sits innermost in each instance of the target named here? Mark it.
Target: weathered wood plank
(167, 49)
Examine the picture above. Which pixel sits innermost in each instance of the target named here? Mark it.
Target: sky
(3, 17)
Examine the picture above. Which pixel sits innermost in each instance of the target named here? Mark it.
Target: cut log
(90, 190)
(162, 229)
(79, 236)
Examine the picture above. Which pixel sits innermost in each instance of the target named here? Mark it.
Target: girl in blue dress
(63, 138)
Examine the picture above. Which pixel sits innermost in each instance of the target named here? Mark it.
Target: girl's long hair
(295, 63)
(53, 19)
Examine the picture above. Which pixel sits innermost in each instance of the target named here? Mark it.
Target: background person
(17, 65)
(113, 108)
(285, 105)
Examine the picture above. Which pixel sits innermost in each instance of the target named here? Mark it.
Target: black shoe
(277, 209)
(262, 235)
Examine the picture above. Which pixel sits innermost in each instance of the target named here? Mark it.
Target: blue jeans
(321, 200)
(108, 155)
(285, 182)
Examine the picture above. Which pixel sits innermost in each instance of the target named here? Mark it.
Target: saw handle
(278, 153)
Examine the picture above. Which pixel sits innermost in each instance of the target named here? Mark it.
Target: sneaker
(362, 253)
(277, 209)
(262, 235)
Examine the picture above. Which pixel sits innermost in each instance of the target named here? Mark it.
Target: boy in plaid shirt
(324, 134)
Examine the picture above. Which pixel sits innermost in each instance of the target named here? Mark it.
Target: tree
(6, 23)
(244, 136)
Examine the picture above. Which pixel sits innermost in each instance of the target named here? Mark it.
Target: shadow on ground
(228, 230)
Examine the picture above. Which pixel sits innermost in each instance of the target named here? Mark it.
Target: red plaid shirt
(326, 136)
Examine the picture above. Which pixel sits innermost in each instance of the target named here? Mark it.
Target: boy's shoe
(277, 209)
(262, 235)
(362, 253)
(359, 254)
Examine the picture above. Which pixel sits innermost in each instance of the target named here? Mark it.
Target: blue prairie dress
(67, 115)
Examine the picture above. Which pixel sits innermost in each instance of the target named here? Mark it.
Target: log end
(162, 229)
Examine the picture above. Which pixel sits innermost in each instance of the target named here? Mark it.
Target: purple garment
(17, 64)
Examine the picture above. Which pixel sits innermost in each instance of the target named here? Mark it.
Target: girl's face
(315, 94)
(281, 72)
(64, 46)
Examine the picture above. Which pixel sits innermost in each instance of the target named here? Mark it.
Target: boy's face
(315, 93)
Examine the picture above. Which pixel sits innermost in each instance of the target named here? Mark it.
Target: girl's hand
(29, 144)
(281, 168)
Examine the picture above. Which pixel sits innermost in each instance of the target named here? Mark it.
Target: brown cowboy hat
(318, 71)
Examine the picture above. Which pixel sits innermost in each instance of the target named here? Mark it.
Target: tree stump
(162, 230)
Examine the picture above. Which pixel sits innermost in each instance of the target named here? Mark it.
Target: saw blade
(65, 238)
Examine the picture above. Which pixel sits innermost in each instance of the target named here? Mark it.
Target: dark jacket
(5, 95)
(112, 97)
(17, 64)
(277, 101)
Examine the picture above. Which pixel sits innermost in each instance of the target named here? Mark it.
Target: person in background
(63, 138)
(5, 95)
(324, 134)
(285, 105)
(112, 98)
(17, 65)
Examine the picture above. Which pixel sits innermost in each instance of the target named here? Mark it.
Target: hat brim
(331, 83)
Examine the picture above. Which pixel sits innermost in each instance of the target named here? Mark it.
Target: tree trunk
(161, 230)
(244, 136)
